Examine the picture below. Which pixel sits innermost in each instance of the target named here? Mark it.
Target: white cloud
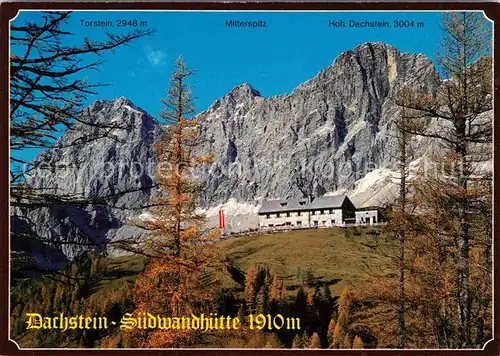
(156, 57)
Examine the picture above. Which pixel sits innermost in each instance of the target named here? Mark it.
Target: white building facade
(326, 211)
(368, 216)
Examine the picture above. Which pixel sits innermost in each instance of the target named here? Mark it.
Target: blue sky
(274, 60)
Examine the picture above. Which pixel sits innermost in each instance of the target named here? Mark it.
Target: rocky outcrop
(328, 133)
(118, 166)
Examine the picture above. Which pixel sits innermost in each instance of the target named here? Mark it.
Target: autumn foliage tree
(451, 190)
(315, 342)
(358, 343)
(179, 278)
(331, 331)
(251, 288)
(49, 92)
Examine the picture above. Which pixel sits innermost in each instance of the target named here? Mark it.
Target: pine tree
(300, 299)
(263, 300)
(398, 224)
(327, 294)
(313, 305)
(358, 343)
(297, 342)
(315, 342)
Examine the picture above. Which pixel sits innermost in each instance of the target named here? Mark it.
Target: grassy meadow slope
(334, 256)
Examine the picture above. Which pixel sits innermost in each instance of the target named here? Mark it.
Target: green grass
(333, 256)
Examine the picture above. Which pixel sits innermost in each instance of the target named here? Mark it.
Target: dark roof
(327, 201)
(274, 206)
(369, 208)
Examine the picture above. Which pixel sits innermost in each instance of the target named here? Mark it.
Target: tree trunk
(400, 339)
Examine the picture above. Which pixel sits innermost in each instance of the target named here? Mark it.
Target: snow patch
(231, 207)
(147, 216)
(373, 179)
(128, 107)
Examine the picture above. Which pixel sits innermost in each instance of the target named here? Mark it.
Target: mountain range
(333, 133)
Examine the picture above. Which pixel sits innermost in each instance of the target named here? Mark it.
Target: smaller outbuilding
(369, 216)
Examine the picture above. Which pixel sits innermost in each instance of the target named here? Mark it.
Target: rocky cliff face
(324, 136)
(329, 132)
(122, 160)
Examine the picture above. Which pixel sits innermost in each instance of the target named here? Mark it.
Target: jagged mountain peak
(244, 90)
(377, 68)
(121, 102)
(119, 111)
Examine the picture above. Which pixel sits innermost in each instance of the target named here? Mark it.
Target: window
(324, 222)
(268, 216)
(299, 213)
(333, 222)
(288, 223)
(271, 225)
(287, 215)
(331, 211)
(283, 204)
(299, 223)
(315, 222)
(322, 212)
(302, 203)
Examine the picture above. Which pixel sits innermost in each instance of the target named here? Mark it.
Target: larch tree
(347, 343)
(276, 294)
(251, 285)
(305, 340)
(344, 302)
(457, 119)
(330, 331)
(297, 342)
(341, 329)
(358, 343)
(400, 214)
(180, 274)
(315, 342)
(48, 96)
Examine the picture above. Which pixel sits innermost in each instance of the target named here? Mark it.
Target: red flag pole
(221, 221)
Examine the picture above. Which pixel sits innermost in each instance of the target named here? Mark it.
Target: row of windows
(299, 213)
(299, 223)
